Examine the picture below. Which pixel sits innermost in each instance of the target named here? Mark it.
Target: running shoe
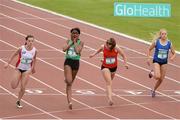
(111, 103)
(18, 105)
(153, 93)
(150, 74)
(70, 106)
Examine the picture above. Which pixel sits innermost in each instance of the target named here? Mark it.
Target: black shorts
(22, 71)
(160, 63)
(111, 69)
(74, 64)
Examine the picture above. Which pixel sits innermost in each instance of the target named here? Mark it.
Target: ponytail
(157, 35)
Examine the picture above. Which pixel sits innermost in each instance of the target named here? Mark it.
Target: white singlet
(25, 58)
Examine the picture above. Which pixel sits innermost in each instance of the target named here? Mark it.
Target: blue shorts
(160, 63)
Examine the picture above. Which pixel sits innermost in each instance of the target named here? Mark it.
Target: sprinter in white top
(24, 66)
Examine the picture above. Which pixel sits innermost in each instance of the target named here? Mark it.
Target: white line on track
(80, 109)
(91, 84)
(28, 102)
(36, 79)
(84, 60)
(85, 45)
(82, 22)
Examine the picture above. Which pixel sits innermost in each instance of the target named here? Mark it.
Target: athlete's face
(109, 44)
(30, 41)
(74, 35)
(163, 34)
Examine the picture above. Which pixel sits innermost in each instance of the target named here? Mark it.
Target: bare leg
(163, 69)
(16, 78)
(107, 77)
(157, 75)
(68, 80)
(24, 81)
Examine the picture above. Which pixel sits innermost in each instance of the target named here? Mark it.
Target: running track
(45, 96)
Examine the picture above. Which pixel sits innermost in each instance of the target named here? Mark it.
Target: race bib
(26, 61)
(71, 52)
(110, 60)
(162, 54)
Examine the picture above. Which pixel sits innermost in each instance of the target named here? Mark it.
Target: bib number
(71, 52)
(162, 54)
(26, 61)
(110, 60)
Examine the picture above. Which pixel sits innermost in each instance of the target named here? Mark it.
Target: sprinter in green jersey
(73, 48)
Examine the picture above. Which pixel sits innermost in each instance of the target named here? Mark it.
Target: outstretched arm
(121, 52)
(173, 53)
(98, 51)
(149, 52)
(78, 47)
(34, 63)
(67, 46)
(12, 57)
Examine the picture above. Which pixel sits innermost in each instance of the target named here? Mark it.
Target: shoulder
(169, 42)
(102, 47)
(68, 40)
(156, 41)
(21, 47)
(117, 48)
(81, 42)
(34, 49)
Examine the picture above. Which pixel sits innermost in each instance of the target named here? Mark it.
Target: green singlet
(71, 53)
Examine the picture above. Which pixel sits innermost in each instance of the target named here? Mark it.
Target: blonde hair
(157, 35)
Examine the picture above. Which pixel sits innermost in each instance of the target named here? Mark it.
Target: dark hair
(77, 29)
(111, 41)
(27, 37)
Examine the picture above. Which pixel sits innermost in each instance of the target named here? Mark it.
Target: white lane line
(28, 102)
(80, 109)
(36, 79)
(95, 86)
(88, 63)
(58, 90)
(85, 45)
(82, 22)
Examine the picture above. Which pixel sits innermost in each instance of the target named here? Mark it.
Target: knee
(108, 83)
(157, 77)
(160, 80)
(22, 89)
(68, 82)
(13, 86)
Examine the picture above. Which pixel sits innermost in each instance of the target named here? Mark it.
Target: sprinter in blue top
(162, 46)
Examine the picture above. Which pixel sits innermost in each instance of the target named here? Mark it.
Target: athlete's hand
(75, 40)
(91, 56)
(148, 62)
(33, 71)
(172, 59)
(126, 66)
(6, 65)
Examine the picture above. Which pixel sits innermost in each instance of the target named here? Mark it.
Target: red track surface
(45, 97)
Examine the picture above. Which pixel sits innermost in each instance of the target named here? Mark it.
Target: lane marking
(84, 32)
(82, 22)
(28, 102)
(93, 85)
(66, 39)
(80, 109)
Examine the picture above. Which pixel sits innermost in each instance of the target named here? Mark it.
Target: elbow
(64, 50)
